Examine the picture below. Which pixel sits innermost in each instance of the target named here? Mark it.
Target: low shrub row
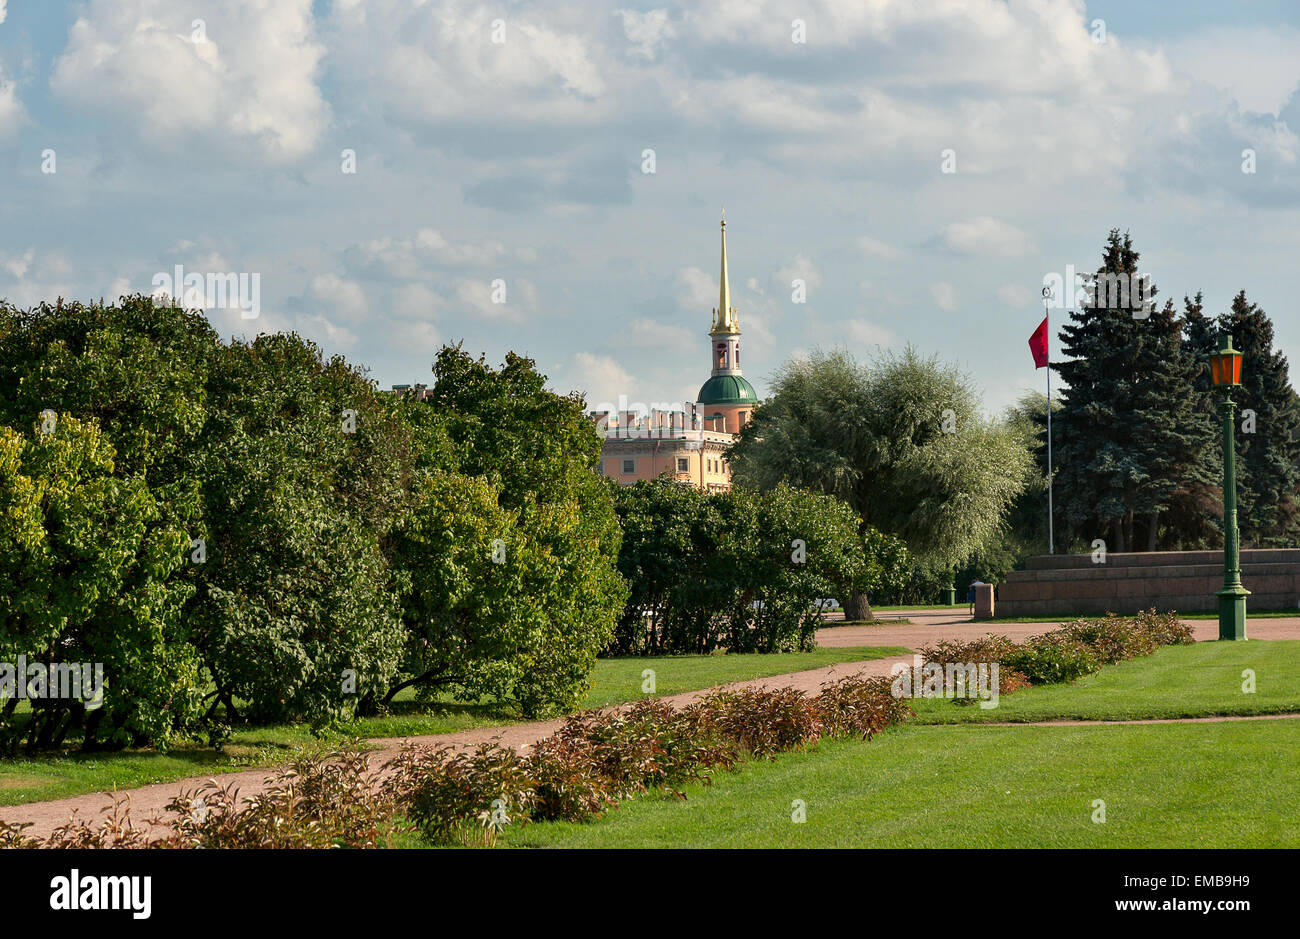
(594, 761)
(1068, 653)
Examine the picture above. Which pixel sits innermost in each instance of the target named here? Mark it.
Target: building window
(744, 417)
(683, 465)
(629, 467)
(737, 354)
(722, 355)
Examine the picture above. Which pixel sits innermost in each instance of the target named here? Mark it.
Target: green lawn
(1178, 681)
(1170, 785)
(961, 785)
(614, 681)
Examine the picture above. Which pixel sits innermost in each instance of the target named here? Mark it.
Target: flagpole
(1051, 534)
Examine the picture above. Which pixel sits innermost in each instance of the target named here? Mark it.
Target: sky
(547, 177)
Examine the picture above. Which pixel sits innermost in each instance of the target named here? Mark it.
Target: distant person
(970, 596)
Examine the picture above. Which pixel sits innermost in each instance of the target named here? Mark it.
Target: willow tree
(901, 439)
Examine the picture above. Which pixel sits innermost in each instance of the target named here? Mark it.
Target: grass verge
(921, 787)
(1201, 680)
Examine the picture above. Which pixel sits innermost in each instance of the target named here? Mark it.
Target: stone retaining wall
(1126, 583)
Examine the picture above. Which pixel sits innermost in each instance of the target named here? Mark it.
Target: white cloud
(344, 299)
(646, 31)
(1015, 295)
(699, 291)
(599, 377)
(1259, 67)
(416, 302)
(945, 296)
(987, 237)
(481, 296)
(330, 334)
(801, 268)
(411, 258)
(439, 61)
(12, 114)
(656, 334)
(249, 87)
(862, 332)
(877, 249)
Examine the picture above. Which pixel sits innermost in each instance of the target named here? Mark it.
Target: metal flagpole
(1051, 535)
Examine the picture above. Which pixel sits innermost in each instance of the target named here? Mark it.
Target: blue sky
(522, 162)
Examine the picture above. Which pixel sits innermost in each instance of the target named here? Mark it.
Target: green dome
(727, 389)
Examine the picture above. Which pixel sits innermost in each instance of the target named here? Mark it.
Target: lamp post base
(1232, 612)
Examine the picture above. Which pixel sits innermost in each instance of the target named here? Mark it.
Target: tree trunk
(1118, 527)
(856, 607)
(1153, 530)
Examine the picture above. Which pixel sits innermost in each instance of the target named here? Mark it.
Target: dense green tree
(1268, 447)
(535, 449)
(740, 570)
(296, 613)
(86, 564)
(1128, 432)
(902, 441)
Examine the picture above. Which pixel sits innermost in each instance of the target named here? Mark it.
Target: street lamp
(1225, 370)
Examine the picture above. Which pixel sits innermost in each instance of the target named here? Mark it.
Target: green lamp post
(1225, 370)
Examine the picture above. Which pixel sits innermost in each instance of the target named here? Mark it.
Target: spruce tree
(1194, 519)
(1127, 435)
(1268, 447)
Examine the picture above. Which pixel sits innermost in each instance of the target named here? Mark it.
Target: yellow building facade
(688, 444)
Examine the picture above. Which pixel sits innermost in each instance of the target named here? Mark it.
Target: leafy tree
(534, 449)
(87, 566)
(740, 570)
(902, 441)
(295, 613)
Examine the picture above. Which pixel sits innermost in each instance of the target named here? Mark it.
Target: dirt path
(930, 625)
(148, 801)
(926, 626)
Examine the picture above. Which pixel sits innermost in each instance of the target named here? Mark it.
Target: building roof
(727, 389)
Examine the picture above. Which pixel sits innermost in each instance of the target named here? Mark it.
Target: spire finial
(724, 319)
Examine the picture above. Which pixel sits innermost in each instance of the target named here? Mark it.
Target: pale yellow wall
(705, 468)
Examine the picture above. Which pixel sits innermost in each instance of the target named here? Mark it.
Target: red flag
(1038, 344)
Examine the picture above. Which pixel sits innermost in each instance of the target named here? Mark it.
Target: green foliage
(1068, 653)
(528, 628)
(295, 613)
(901, 441)
(1268, 459)
(87, 560)
(260, 520)
(1052, 661)
(740, 570)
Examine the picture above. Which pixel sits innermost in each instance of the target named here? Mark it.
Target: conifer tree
(1268, 446)
(1195, 516)
(1127, 434)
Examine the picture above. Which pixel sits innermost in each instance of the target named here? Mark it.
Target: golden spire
(724, 317)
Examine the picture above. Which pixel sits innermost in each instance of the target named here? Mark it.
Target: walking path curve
(926, 626)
